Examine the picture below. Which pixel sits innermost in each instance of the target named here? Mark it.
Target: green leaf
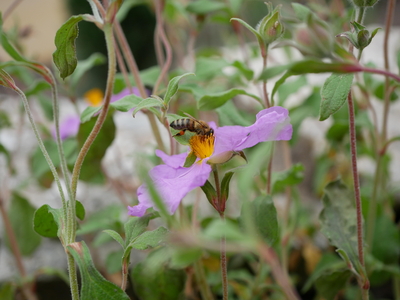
(247, 73)
(265, 219)
(126, 103)
(47, 220)
(21, 214)
(184, 257)
(65, 55)
(149, 239)
(225, 185)
(93, 284)
(292, 176)
(147, 103)
(89, 112)
(106, 218)
(173, 88)
(37, 87)
(218, 229)
(339, 223)
(251, 29)
(334, 94)
(113, 262)
(91, 169)
(209, 67)
(85, 65)
(80, 210)
(7, 291)
(210, 192)
(209, 102)
(271, 72)
(165, 283)
(302, 12)
(190, 160)
(203, 7)
(135, 227)
(313, 66)
(386, 230)
(115, 235)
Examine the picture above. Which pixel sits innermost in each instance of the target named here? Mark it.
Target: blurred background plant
(292, 229)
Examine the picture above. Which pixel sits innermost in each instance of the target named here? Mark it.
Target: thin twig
(11, 8)
(160, 31)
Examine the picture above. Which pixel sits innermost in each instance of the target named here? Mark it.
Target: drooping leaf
(93, 284)
(65, 55)
(209, 102)
(334, 94)
(21, 214)
(339, 224)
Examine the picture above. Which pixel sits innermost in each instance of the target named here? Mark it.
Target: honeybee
(192, 124)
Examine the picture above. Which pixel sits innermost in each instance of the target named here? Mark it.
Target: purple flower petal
(173, 161)
(68, 128)
(172, 184)
(272, 124)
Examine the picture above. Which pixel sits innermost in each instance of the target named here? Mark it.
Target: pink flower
(68, 128)
(173, 181)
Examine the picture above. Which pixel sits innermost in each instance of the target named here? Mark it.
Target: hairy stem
(224, 269)
(356, 181)
(73, 279)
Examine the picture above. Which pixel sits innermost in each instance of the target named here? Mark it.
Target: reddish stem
(356, 181)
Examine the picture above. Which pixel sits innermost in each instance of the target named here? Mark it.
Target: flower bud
(359, 37)
(270, 27)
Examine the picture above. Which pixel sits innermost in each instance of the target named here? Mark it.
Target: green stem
(264, 54)
(224, 267)
(41, 146)
(73, 279)
(201, 279)
(360, 14)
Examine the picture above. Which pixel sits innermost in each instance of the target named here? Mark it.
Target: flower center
(202, 145)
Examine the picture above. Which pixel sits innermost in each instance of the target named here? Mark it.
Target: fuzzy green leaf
(147, 103)
(93, 285)
(265, 219)
(334, 94)
(149, 239)
(339, 223)
(173, 87)
(126, 103)
(209, 102)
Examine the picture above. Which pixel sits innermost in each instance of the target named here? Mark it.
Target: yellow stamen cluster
(94, 97)
(202, 145)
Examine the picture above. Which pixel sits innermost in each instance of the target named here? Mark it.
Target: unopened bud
(270, 27)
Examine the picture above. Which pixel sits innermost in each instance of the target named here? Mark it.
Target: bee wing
(193, 118)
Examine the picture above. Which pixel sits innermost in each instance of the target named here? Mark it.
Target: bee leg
(182, 132)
